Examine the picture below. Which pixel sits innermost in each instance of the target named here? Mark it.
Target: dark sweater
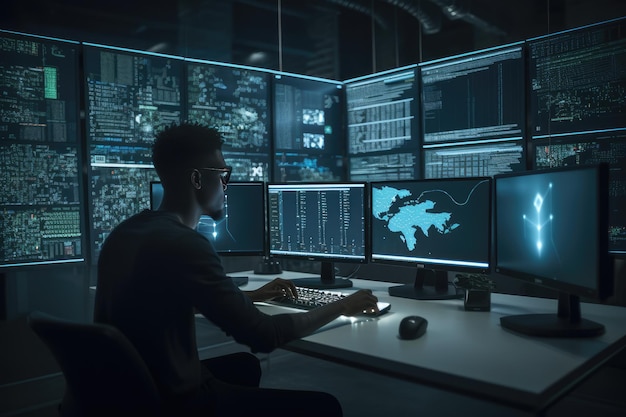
(152, 272)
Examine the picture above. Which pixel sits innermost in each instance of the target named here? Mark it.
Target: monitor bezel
(447, 265)
(603, 280)
(321, 257)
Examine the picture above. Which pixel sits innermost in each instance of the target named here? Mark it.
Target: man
(155, 269)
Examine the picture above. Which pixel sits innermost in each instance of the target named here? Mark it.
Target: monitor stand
(325, 281)
(268, 266)
(566, 323)
(440, 290)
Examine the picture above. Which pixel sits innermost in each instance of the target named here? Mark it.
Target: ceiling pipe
(455, 11)
(430, 24)
(362, 9)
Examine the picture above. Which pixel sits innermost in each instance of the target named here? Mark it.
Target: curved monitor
(551, 230)
(320, 222)
(242, 230)
(440, 225)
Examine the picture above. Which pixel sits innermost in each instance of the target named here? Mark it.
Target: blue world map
(406, 215)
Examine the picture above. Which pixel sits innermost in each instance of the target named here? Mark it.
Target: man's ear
(196, 179)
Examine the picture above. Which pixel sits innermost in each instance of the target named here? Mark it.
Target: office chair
(104, 374)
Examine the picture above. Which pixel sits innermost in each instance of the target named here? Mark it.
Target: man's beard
(217, 215)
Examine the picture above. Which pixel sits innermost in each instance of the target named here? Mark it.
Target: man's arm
(278, 287)
(311, 320)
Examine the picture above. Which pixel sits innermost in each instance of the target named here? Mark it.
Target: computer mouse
(412, 327)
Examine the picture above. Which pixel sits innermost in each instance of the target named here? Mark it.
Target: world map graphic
(406, 215)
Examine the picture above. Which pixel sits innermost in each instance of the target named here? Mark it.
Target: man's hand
(362, 301)
(278, 287)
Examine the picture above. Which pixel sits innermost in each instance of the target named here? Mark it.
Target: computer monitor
(308, 115)
(439, 225)
(42, 199)
(236, 100)
(551, 230)
(576, 80)
(474, 160)
(382, 125)
(475, 96)
(129, 96)
(242, 229)
(322, 222)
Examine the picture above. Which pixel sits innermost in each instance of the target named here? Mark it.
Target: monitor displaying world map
(436, 222)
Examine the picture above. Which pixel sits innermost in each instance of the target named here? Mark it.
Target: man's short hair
(179, 147)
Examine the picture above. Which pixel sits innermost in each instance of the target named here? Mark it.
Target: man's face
(211, 195)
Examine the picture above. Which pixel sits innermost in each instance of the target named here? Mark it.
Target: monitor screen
(299, 167)
(577, 80)
(130, 95)
(308, 129)
(475, 96)
(382, 118)
(383, 167)
(321, 222)
(589, 149)
(439, 225)
(236, 100)
(474, 160)
(42, 216)
(242, 229)
(551, 230)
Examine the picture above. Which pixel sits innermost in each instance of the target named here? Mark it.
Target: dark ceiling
(336, 39)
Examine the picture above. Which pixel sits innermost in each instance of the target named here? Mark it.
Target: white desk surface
(465, 351)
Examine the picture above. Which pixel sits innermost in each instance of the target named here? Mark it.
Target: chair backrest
(103, 371)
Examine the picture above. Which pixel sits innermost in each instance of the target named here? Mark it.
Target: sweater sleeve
(306, 323)
(215, 296)
(205, 285)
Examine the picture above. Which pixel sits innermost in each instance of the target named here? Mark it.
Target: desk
(465, 351)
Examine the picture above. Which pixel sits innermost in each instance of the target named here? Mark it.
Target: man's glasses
(224, 173)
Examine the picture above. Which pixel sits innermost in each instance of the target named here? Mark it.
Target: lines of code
(478, 96)
(317, 220)
(578, 80)
(130, 96)
(474, 160)
(382, 113)
(392, 166)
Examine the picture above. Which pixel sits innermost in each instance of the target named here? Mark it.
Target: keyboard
(309, 298)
